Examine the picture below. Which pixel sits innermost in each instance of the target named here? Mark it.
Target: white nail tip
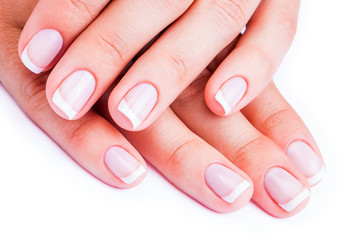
(291, 205)
(220, 99)
(135, 175)
(230, 198)
(29, 64)
(63, 105)
(243, 30)
(126, 110)
(316, 178)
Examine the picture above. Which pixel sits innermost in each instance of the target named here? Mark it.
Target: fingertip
(127, 170)
(285, 192)
(132, 111)
(214, 101)
(41, 50)
(225, 96)
(233, 188)
(71, 96)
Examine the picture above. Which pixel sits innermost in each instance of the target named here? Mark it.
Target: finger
(246, 72)
(192, 165)
(52, 27)
(177, 58)
(99, 54)
(279, 187)
(92, 141)
(280, 122)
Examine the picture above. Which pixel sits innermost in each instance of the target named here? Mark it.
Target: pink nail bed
(123, 165)
(225, 183)
(306, 160)
(285, 189)
(138, 103)
(231, 93)
(74, 92)
(41, 50)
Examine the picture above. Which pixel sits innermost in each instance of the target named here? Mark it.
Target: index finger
(47, 34)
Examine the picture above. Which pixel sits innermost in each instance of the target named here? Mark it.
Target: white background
(45, 195)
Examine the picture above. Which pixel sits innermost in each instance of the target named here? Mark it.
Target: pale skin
(182, 143)
(116, 30)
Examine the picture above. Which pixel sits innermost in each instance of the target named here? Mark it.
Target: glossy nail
(225, 183)
(74, 92)
(306, 160)
(285, 189)
(138, 103)
(41, 50)
(230, 93)
(123, 165)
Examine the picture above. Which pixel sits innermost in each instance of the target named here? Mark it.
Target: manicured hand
(90, 43)
(102, 150)
(200, 153)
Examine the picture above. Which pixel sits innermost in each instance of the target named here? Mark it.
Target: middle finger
(177, 58)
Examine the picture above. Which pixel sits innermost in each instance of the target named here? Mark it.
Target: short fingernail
(225, 183)
(285, 189)
(74, 92)
(306, 160)
(243, 31)
(138, 103)
(230, 93)
(123, 165)
(41, 50)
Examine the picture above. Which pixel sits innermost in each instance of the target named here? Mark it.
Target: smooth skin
(101, 38)
(181, 144)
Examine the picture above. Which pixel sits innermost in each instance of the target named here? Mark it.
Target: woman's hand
(90, 43)
(200, 153)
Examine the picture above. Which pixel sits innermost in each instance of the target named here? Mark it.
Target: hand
(91, 42)
(195, 159)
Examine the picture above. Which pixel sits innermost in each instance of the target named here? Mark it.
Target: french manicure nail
(41, 50)
(306, 160)
(230, 93)
(123, 165)
(243, 30)
(285, 189)
(138, 103)
(225, 183)
(74, 92)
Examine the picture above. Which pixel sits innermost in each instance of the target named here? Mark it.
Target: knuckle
(81, 8)
(244, 149)
(179, 154)
(178, 66)
(287, 22)
(173, 5)
(263, 59)
(113, 47)
(78, 134)
(34, 95)
(231, 13)
(289, 26)
(276, 119)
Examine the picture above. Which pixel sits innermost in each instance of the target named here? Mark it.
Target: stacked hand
(264, 151)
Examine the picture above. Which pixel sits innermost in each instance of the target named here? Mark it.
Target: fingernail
(74, 92)
(306, 160)
(138, 103)
(225, 183)
(285, 189)
(41, 50)
(230, 93)
(243, 30)
(123, 165)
